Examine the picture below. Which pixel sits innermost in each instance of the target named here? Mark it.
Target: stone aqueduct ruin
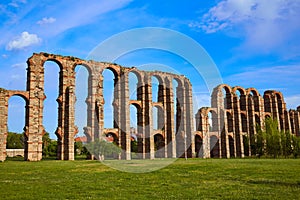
(220, 129)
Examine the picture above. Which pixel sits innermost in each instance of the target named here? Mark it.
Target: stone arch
(23, 94)
(135, 89)
(213, 121)
(253, 97)
(24, 97)
(110, 96)
(222, 93)
(112, 137)
(267, 103)
(84, 104)
(241, 98)
(157, 91)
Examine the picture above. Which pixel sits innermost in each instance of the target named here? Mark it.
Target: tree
(79, 148)
(15, 141)
(273, 146)
(286, 143)
(101, 148)
(295, 146)
(49, 146)
(260, 139)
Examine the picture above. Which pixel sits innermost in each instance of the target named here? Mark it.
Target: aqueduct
(220, 129)
(227, 128)
(66, 130)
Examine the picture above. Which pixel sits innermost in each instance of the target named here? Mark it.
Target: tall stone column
(3, 123)
(189, 122)
(34, 127)
(170, 135)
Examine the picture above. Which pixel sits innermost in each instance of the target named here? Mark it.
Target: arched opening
(213, 121)
(52, 78)
(240, 93)
(133, 86)
(82, 99)
(214, 147)
(286, 120)
(159, 144)
(175, 100)
(82, 106)
(279, 103)
(231, 146)
(15, 141)
(254, 95)
(155, 88)
(155, 118)
(134, 131)
(109, 81)
(267, 103)
(113, 138)
(229, 122)
(246, 145)
(244, 122)
(226, 97)
(198, 146)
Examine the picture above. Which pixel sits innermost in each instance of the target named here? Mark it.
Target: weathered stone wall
(234, 114)
(174, 141)
(220, 129)
(15, 152)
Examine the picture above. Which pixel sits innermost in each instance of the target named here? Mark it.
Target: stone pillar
(3, 123)
(180, 122)
(34, 127)
(190, 139)
(125, 113)
(170, 135)
(141, 119)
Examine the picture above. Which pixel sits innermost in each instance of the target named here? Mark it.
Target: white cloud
(292, 102)
(281, 78)
(24, 40)
(262, 23)
(46, 20)
(21, 66)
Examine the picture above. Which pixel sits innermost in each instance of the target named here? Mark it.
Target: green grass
(184, 179)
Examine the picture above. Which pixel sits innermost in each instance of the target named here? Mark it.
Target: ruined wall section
(182, 135)
(233, 118)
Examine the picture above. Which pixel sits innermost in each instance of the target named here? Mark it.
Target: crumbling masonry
(227, 128)
(220, 130)
(164, 139)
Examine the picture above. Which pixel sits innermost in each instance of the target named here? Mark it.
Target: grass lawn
(183, 179)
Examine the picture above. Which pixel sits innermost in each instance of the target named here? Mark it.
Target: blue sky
(254, 43)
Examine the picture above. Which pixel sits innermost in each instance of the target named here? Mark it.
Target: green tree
(101, 149)
(295, 146)
(15, 140)
(49, 146)
(260, 139)
(273, 146)
(286, 143)
(79, 148)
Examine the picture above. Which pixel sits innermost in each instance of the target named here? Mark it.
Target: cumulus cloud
(46, 20)
(270, 23)
(24, 40)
